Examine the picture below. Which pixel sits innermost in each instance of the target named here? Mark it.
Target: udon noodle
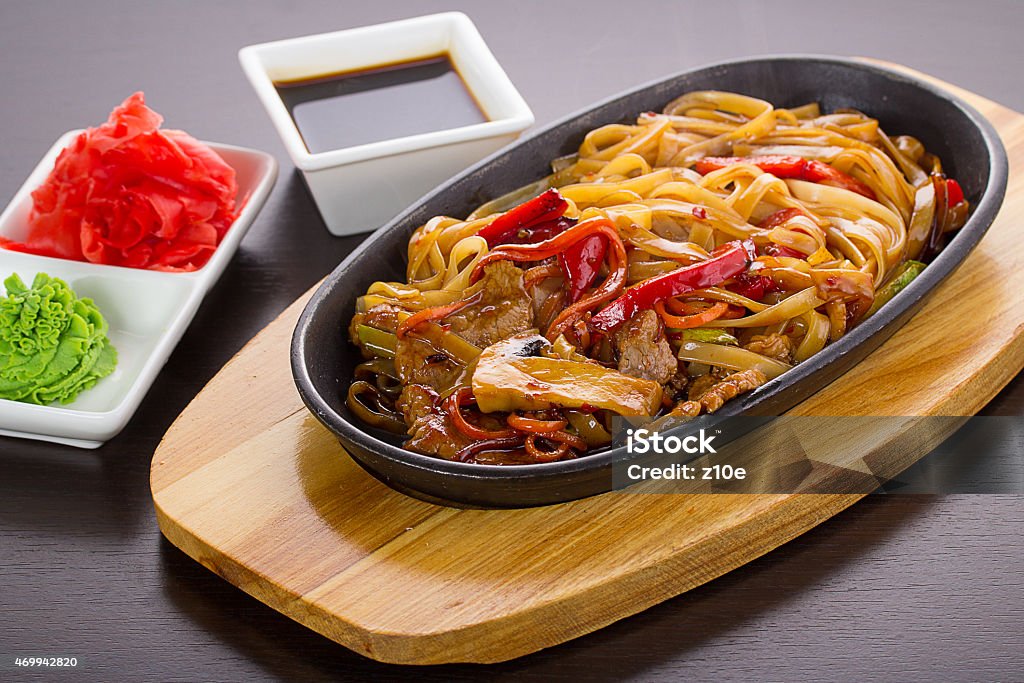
(670, 265)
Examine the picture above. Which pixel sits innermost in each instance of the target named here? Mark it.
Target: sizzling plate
(323, 360)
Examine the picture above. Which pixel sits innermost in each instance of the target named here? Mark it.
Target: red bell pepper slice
(753, 286)
(820, 172)
(773, 249)
(781, 166)
(787, 166)
(727, 261)
(553, 246)
(538, 232)
(774, 221)
(954, 193)
(505, 229)
(580, 264)
(779, 217)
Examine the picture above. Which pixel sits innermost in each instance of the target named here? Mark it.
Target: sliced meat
(383, 317)
(731, 387)
(417, 362)
(676, 386)
(708, 393)
(415, 401)
(686, 409)
(700, 386)
(504, 310)
(434, 434)
(643, 350)
(431, 432)
(777, 346)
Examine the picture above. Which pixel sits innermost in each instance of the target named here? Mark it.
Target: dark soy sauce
(341, 110)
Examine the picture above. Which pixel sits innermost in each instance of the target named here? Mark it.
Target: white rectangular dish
(148, 311)
(359, 188)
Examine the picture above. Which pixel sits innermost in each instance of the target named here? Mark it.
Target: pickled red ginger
(127, 193)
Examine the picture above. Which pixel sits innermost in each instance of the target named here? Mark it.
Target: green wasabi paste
(53, 345)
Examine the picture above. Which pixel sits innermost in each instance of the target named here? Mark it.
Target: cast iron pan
(323, 359)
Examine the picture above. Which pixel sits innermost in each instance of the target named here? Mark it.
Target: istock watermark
(652, 441)
(643, 441)
(819, 454)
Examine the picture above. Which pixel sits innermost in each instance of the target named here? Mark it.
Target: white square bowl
(360, 188)
(148, 311)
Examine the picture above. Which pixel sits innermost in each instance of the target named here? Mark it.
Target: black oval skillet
(323, 360)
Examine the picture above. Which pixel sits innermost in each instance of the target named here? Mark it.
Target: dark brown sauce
(341, 110)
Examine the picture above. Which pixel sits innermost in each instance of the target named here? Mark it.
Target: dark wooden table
(898, 587)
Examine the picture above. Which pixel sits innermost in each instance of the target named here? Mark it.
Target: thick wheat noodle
(817, 270)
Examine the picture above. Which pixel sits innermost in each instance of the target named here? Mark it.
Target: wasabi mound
(53, 345)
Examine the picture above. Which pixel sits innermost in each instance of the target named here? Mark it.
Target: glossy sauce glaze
(340, 110)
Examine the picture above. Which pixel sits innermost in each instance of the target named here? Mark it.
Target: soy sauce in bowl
(340, 110)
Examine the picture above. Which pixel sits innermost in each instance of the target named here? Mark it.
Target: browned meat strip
(504, 309)
(353, 327)
(731, 387)
(777, 346)
(700, 386)
(644, 351)
(417, 362)
(676, 386)
(708, 393)
(383, 317)
(416, 400)
(430, 430)
(686, 409)
(434, 434)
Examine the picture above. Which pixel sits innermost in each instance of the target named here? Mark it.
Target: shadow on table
(68, 490)
(668, 631)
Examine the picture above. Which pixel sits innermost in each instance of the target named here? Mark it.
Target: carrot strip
(539, 273)
(540, 455)
(453, 406)
(685, 322)
(733, 313)
(533, 425)
(677, 307)
(435, 313)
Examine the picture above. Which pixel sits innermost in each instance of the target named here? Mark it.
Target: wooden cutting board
(251, 486)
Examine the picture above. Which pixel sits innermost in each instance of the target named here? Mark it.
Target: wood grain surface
(264, 496)
(898, 587)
